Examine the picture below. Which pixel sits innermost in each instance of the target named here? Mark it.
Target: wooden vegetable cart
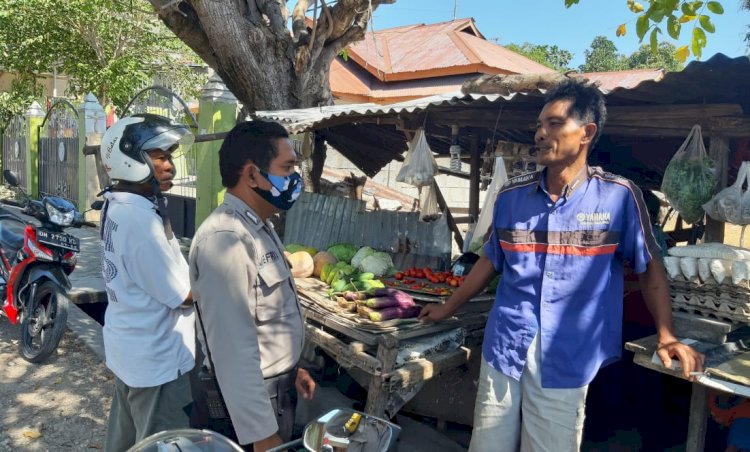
(370, 355)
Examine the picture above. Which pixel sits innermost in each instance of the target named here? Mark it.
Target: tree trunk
(264, 64)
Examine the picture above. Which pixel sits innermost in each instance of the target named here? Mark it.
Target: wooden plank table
(717, 363)
(374, 353)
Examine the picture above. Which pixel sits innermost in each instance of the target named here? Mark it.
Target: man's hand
(304, 384)
(690, 360)
(435, 312)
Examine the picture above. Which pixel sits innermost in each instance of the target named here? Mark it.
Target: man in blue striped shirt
(561, 239)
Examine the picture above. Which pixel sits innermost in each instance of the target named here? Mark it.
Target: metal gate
(59, 152)
(181, 197)
(15, 154)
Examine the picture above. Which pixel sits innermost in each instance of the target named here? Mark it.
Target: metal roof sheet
(370, 145)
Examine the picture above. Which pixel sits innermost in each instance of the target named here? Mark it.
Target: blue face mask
(284, 189)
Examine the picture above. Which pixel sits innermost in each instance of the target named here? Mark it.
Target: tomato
(453, 283)
(427, 271)
(419, 274)
(416, 286)
(441, 278)
(399, 276)
(408, 281)
(432, 279)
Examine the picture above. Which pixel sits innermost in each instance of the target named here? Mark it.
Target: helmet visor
(166, 140)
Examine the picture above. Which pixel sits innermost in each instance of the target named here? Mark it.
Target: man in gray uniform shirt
(244, 288)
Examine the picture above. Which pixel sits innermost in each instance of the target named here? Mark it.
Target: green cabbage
(361, 254)
(377, 263)
(343, 252)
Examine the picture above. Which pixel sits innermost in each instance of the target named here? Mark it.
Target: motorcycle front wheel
(44, 322)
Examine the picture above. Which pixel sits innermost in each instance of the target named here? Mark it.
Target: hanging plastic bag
(420, 166)
(690, 178)
(732, 204)
(428, 205)
(499, 178)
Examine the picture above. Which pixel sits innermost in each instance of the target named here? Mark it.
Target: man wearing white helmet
(149, 328)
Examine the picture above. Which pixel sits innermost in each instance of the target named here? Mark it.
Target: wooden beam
(475, 163)
(450, 172)
(424, 369)
(451, 223)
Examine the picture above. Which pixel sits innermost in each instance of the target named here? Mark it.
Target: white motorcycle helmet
(124, 145)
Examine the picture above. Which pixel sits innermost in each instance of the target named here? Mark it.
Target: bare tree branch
(299, 27)
(276, 13)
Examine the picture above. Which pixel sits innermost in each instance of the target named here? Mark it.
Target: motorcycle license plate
(59, 239)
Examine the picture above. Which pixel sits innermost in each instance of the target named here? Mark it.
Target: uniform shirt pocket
(274, 291)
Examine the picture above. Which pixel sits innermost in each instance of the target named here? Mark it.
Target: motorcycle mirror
(97, 205)
(11, 178)
(338, 426)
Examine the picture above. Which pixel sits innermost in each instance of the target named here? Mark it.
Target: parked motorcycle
(35, 261)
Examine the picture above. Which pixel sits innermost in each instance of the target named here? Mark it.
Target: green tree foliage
(665, 57)
(550, 56)
(674, 18)
(603, 56)
(108, 47)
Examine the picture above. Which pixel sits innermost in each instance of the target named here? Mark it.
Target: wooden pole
(719, 152)
(474, 178)
(449, 216)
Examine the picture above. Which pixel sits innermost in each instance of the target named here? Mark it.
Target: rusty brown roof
(607, 81)
(446, 48)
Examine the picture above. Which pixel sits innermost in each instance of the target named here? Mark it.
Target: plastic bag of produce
(690, 178)
(428, 205)
(672, 264)
(419, 167)
(732, 204)
(499, 178)
(720, 269)
(689, 267)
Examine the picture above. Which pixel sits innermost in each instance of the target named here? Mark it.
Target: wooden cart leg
(377, 392)
(696, 434)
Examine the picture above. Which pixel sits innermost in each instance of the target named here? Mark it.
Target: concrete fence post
(92, 120)
(218, 113)
(34, 117)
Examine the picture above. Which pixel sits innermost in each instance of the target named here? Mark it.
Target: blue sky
(549, 22)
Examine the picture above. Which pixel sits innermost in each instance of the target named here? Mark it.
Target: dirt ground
(60, 405)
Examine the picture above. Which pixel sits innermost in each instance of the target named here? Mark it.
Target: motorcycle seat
(10, 240)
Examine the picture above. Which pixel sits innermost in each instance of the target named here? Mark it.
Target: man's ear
(589, 130)
(250, 174)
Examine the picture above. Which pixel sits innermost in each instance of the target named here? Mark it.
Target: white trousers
(512, 415)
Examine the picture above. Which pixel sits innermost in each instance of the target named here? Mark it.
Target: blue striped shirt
(562, 265)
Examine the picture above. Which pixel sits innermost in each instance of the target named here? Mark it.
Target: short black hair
(587, 103)
(250, 141)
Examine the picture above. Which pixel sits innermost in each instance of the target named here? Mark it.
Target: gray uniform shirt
(252, 318)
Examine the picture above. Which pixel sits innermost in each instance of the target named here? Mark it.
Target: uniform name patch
(271, 256)
(593, 218)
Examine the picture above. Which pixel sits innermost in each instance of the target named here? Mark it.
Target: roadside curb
(87, 330)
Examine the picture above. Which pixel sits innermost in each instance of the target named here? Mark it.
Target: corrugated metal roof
(350, 82)
(609, 81)
(370, 146)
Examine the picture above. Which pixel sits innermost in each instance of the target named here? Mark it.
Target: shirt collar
(126, 197)
(577, 182)
(244, 210)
